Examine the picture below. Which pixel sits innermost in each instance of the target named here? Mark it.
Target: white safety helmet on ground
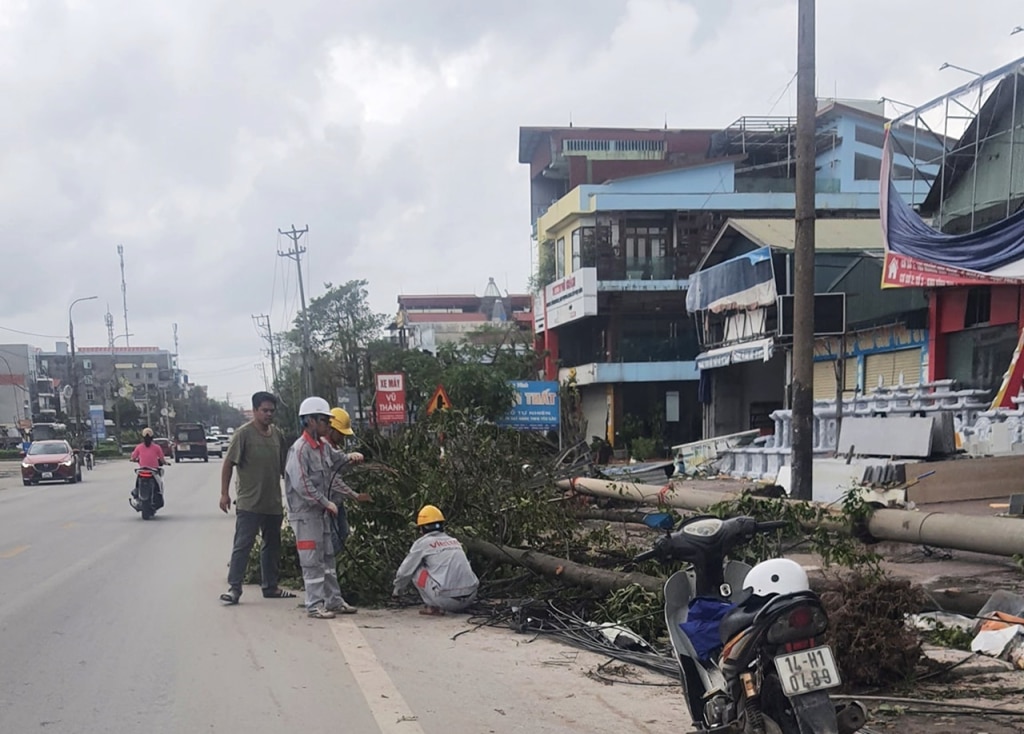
(314, 406)
(777, 576)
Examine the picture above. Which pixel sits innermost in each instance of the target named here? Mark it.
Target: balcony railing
(637, 349)
(636, 268)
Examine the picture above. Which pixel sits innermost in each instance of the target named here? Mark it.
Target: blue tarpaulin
(996, 250)
(985, 250)
(744, 282)
(702, 625)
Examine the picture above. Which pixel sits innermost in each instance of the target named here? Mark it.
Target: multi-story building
(148, 376)
(615, 256)
(741, 300)
(18, 399)
(427, 321)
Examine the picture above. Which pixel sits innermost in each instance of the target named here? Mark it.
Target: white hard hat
(314, 406)
(777, 576)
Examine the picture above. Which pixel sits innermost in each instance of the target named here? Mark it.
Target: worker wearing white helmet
(307, 477)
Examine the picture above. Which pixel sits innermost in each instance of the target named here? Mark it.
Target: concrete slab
(891, 436)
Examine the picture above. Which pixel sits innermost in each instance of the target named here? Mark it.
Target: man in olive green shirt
(257, 451)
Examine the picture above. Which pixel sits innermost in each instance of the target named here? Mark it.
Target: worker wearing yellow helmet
(437, 566)
(339, 427)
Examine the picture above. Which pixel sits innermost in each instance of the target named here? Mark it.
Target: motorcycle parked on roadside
(147, 497)
(748, 641)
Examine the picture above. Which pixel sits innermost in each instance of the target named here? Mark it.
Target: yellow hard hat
(341, 422)
(429, 515)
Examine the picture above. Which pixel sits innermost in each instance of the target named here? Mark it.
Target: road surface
(112, 624)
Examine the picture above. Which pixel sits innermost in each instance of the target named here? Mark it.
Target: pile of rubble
(956, 420)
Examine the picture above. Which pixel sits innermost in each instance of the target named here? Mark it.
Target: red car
(165, 444)
(50, 461)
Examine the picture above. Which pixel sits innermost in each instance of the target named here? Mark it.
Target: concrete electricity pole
(76, 405)
(295, 253)
(263, 326)
(262, 370)
(803, 260)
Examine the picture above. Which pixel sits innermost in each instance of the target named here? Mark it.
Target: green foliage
(341, 321)
(106, 451)
(127, 412)
(197, 407)
(546, 264)
(824, 533)
(475, 375)
(635, 608)
(643, 449)
(953, 637)
(492, 483)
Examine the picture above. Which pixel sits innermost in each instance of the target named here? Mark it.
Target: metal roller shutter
(889, 365)
(825, 379)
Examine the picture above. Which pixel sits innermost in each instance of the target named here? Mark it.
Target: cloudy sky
(191, 131)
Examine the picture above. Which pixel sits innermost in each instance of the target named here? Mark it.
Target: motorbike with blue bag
(748, 640)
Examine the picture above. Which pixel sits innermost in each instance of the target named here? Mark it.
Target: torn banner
(918, 256)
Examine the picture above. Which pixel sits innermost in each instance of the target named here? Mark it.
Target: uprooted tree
(497, 488)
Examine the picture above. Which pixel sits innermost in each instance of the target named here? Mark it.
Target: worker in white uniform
(307, 483)
(437, 566)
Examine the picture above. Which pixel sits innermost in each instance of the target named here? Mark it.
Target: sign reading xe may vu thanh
(390, 402)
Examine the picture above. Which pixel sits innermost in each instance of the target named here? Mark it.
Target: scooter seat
(739, 618)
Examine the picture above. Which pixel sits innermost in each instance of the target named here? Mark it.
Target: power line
(32, 333)
(262, 324)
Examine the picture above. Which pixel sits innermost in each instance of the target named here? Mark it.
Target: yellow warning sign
(439, 401)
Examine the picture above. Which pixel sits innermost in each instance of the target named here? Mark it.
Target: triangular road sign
(438, 401)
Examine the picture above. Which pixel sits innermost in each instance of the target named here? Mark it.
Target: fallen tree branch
(635, 517)
(598, 579)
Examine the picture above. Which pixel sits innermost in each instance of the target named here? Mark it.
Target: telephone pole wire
(295, 253)
(262, 322)
(803, 260)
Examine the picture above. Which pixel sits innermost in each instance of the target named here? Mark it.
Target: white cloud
(191, 131)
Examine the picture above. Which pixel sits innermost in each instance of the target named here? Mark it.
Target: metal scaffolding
(942, 142)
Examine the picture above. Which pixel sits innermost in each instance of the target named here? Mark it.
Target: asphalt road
(112, 624)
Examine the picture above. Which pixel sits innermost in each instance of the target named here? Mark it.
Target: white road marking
(392, 713)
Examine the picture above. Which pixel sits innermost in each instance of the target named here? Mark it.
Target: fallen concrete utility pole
(998, 536)
(573, 573)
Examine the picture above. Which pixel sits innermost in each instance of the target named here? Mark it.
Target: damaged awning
(742, 283)
(751, 351)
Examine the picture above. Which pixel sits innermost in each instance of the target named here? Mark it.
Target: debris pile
(867, 612)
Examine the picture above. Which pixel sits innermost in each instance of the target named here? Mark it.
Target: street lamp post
(74, 368)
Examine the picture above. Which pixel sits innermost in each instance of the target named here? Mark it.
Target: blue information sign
(99, 426)
(536, 407)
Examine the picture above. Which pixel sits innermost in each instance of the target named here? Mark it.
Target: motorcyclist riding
(150, 455)
(87, 449)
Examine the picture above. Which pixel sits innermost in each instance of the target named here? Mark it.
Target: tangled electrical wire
(548, 619)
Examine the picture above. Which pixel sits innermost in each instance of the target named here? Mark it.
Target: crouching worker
(438, 567)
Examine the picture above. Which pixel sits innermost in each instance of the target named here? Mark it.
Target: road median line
(387, 705)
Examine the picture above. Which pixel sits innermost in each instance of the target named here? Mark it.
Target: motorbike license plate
(47, 475)
(807, 670)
